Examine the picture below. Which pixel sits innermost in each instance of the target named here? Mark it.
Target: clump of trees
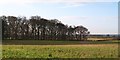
(37, 28)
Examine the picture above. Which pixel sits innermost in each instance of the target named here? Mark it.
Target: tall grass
(60, 51)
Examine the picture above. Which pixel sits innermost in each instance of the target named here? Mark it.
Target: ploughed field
(59, 49)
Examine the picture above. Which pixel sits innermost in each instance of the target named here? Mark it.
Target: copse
(37, 28)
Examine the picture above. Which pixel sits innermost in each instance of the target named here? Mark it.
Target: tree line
(37, 28)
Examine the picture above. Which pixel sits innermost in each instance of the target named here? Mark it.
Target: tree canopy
(37, 28)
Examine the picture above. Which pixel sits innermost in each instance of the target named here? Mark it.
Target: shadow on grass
(60, 58)
(53, 42)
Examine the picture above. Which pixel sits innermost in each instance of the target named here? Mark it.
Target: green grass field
(59, 49)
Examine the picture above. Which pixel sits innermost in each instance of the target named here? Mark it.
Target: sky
(99, 16)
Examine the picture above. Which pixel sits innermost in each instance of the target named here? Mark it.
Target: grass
(54, 42)
(0, 51)
(63, 49)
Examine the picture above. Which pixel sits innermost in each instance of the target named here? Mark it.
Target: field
(59, 49)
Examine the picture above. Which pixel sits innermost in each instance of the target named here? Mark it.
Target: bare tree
(37, 28)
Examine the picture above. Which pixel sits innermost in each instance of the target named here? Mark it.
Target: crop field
(59, 49)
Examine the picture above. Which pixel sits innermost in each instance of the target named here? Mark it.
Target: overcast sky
(98, 16)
